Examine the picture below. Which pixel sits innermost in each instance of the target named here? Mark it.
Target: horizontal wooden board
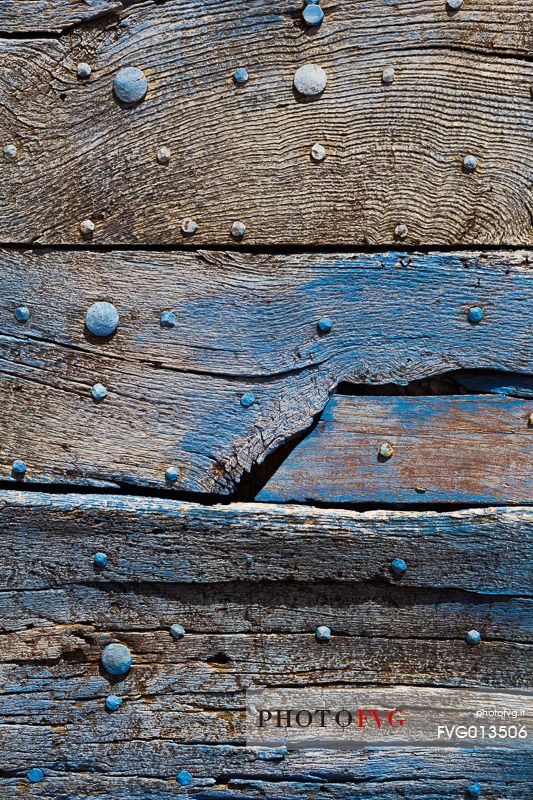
(50, 16)
(462, 449)
(152, 541)
(245, 323)
(394, 152)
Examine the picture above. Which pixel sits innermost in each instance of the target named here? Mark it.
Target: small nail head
(473, 637)
(401, 231)
(318, 152)
(324, 325)
(130, 85)
(474, 790)
(116, 659)
(388, 75)
(172, 474)
(312, 15)
(177, 631)
(312, 2)
(398, 566)
(247, 399)
(84, 70)
(100, 560)
(310, 80)
(163, 155)
(238, 229)
(249, 560)
(167, 319)
(386, 450)
(184, 778)
(188, 226)
(470, 163)
(530, 420)
(10, 151)
(475, 314)
(18, 468)
(454, 5)
(240, 76)
(102, 319)
(113, 703)
(22, 313)
(35, 775)
(323, 633)
(98, 391)
(87, 227)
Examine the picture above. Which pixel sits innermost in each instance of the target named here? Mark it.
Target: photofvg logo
(351, 718)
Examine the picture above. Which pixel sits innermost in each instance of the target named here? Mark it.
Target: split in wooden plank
(496, 383)
(462, 449)
(487, 551)
(244, 325)
(394, 152)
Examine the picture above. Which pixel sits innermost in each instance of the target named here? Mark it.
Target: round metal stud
(247, 400)
(310, 80)
(475, 314)
(172, 474)
(10, 151)
(184, 778)
(401, 231)
(177, 631)
(312, 15)
(386, 450)
(98, 392)
(87, 227)
(130, 85)
(163, 156)
(240, 76)
(398, 567)
(116, 659)
(188, 226)
(167, 319)
(454, 5)
(473, 637)
(18, 469)
(102, 319)
(324, 325)
(238, 229)
(22, 313)
(323, 633)
(35, 775)
(84, 70)
(469, 163)
(318, 152)
(113, 702)
(388, 75)
(100, 560)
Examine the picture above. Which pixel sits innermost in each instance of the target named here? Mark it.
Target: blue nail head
(324, 325)
(188, 226)
(473, 637)
(249, 560)
(240, 76)
(167, 319)
(116, 659)
(10, 151)
(184, 778)
(455, 5)
(310, 80)
(238, 229)
(35, 775)
(113, 702)
(312, 2)
(98, 391)
(22, 313)
(323, 633)
(18, 468)
(87, 228)
(470, 163)
(474, 790)
(130, 85)
(172, 474)
(475, 314)
(84, 70)
(312, 14)
(398, 566)
(177, 631)
(247, 400)
(100, 560)
(102, 319)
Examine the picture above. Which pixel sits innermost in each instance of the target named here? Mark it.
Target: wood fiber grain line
(394, 152)
(244, 323)
(35, 17)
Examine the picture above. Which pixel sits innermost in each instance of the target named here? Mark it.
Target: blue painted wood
(496, 383)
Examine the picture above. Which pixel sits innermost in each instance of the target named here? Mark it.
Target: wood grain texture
(244, 324)
(50, 16)
(464, 449)
(394, 153)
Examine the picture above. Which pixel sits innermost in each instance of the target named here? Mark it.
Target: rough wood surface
(464, 449)
(394, 152)
(50, 16)
(244, 324)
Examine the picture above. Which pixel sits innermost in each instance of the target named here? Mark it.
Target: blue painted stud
(113, 702)
(102, 319)
(184, 778)
(473, 637)
(84, 71)
(247, 400)
(35, 775)
(22, 313)
(324, 325)
(238, 229)
(188, 226)
(98, 392)
(116, 659)
(454, 5)
(323, 633)
(312, 2)
(474, 790)
(475, 314)
(310, 80)
(18, 469)
(87, 228)
(249, 561)
(240, 76)
(167, 319)
(100, 560)
(470, 163)
(388, 75)
(172, 474)
(177, 631)
(130, 85)
(312, 15)
(10, 151)
(398, 566)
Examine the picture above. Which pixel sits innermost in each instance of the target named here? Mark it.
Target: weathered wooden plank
(50, 16)
(496, 383)
(394, 152)
(157, 541)
(243, 324)
(456, 449)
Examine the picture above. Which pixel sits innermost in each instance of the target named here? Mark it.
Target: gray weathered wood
(50, 16)
(244, 324)
(463, 449)
(394, 152)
